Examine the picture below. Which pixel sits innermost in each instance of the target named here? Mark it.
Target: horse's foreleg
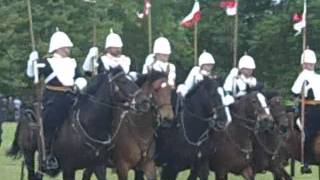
(203, 169)
(87, 173)
(281, 174)
(192, 175)
(221, 175)
(169, 173)
(29, 161)
(149, 170)
(68, 174)
(248, 174)
(101, 172)
(122, 171)
(138, 175)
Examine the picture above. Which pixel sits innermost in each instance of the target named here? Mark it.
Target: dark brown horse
(269, 146)
(86, 135)
(134, 143)
(233, 150)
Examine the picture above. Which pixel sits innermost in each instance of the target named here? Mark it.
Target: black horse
(186, 145)
(86, 135)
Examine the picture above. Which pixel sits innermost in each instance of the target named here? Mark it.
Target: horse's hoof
(38, 176)
(305, 169)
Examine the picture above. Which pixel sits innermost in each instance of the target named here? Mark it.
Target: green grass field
(10, 168)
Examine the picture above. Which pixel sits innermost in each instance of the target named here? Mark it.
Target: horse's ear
(270, 94)
(141, 79)
(219, 80)
(117, 70)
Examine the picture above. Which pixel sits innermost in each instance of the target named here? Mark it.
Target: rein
(78, 126)
(76, 116)
(274, 152)
(242, 150)
(208, 119)
(204, 136)
(246, 120)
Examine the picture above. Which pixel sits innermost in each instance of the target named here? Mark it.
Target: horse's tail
(15, 150)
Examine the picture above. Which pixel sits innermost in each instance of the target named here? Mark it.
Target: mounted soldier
(197, 73)
(111, 58)
(60, 77)
(159, 60)
(241, 80)
(308, 83)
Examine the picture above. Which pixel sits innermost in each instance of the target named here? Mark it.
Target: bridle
(76, 115)
(129, 102)
(211, 120)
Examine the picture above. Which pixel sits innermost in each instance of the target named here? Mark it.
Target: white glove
(228, 100)
(33, 57)
(181, 89)
(133, 75)
(205, 73)
(80, 83)
(93, 54)
(198, 77)
(171, 83)
(252, 82)
(234, 72)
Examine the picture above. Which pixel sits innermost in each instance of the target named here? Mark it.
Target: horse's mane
(101, 78)
(271, 93)
(151, 77)
(204, 82)
(95, 83)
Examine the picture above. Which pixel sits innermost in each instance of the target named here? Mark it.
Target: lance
(94, 35)
(150, 27)
(38, 89)
(304, 42)
(195, 33)
(235, 36)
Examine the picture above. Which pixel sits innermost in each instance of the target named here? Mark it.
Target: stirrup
(51, 162)
(305, 169)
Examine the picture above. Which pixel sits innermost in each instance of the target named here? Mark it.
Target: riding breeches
(56, 106)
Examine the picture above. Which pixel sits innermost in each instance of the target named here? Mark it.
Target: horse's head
(208, 100)
(278, 111)
(155, 86)
(115, 88)
(254, 109)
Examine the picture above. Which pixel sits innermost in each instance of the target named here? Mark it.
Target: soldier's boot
(51, 162)
(305, 169)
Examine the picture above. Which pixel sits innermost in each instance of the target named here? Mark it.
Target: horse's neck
(192, 124)
(95, 115)
(194, 105)
(239, 118)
